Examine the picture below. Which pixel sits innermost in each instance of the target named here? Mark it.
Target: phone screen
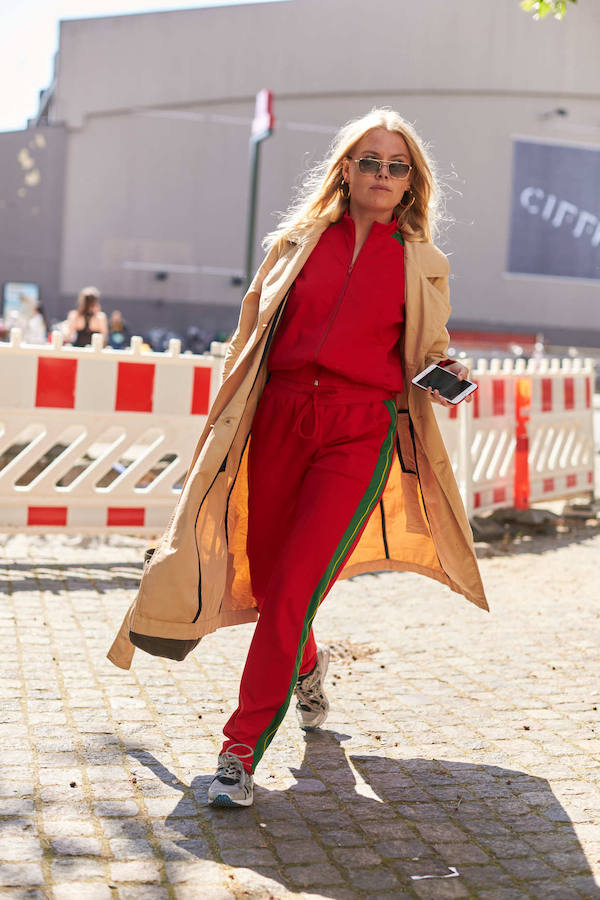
(445, 382)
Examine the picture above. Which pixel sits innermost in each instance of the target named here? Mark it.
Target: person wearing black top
(87, 319)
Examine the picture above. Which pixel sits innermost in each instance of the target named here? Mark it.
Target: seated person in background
(119, 335)
(30, 319)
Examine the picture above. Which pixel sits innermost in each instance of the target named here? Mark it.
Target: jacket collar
(377, 229)
(423, 254)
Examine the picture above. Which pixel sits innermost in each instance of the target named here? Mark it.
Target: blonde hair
(320, 198)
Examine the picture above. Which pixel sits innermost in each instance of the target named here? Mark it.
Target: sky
(29, 40)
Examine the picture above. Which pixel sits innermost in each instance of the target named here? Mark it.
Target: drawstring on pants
(311, 404)
(330, 392)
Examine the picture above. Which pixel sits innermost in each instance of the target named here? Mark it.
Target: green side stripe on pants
(363, 511)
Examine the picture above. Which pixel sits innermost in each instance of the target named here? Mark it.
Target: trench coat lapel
(282, 275)
(426, 307)
(274, 290)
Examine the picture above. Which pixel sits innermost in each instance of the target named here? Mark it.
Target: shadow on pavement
(20, 577)
(402, 828)
(538, 544)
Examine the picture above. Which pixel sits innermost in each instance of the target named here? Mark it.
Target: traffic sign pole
(262, 128)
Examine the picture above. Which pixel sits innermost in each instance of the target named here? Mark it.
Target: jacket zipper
(337, 307)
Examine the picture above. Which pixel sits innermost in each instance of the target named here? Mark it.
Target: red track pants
(319, 459)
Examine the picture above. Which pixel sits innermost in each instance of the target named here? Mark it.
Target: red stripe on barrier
(546, 395)
(498, 397)
(122, 515)
(47, 515)
(475, 396)
(590, 477)
(454, 412)
(588, 392)
(55, 385)
(569, 393)
(201, 394)
(571, 480)
(135, 386)
(476, 499)
(499, 495)
(548, 485)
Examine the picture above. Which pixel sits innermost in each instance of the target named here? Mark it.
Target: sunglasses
(369, 166)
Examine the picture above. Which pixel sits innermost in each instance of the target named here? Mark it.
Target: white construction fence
(528, 435)
(95, 440)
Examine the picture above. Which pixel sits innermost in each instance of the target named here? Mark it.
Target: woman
(87, 319)
(345, 471)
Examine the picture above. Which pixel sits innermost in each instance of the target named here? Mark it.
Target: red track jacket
(347, 318)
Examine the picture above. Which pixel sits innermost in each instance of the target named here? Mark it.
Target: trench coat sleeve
(437, 351)
(248, 314)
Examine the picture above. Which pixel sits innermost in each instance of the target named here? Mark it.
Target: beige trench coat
(198, 578)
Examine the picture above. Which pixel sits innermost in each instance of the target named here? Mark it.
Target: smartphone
(439, 379)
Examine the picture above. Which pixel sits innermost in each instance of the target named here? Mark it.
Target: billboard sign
(555, 215)
(18, 294)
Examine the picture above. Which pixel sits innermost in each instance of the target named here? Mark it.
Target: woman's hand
(461, 373)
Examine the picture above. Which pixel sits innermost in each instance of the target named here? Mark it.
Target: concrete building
(148, 123)
(32, 165)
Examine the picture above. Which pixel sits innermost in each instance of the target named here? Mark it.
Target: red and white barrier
(97, 439)
(561, 431)
(93, 439)
(526, 437)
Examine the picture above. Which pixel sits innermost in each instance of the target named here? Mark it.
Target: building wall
(157, 109)
(31, 200)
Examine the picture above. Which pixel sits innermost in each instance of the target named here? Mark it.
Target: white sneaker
(312, 706)
(232, 784)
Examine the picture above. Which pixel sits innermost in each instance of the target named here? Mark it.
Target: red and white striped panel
(483, 429)
(492, 498)
(558, 486)
(560, 393)
(49, 515)
(104, 384)
(495, 397)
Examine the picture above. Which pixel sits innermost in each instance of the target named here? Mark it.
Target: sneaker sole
(225, 800)
(314, 726)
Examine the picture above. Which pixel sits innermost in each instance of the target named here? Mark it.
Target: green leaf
(543, 8)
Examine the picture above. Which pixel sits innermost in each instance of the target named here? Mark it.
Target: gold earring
(344, 189)
(412, 199)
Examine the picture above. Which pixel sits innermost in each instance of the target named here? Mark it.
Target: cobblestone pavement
(460, 759)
